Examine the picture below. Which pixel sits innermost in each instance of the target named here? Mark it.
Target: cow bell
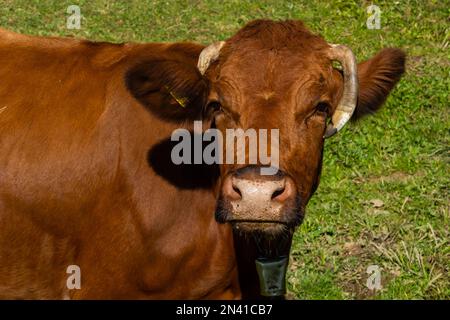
(272, 275)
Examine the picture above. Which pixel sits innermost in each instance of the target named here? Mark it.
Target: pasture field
(384, 195)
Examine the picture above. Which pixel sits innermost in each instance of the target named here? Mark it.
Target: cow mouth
(256, 221)
(268, 227)
(282, 220)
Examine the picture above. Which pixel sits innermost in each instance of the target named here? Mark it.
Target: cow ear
(377, 76)
(172, 89)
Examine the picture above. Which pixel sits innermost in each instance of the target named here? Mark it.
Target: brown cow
(86, 177)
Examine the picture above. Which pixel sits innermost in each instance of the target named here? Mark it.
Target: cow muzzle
(253, 202)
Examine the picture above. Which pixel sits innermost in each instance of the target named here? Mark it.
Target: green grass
(400, 156)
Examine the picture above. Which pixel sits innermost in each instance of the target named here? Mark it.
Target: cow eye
(213, 107)
(323, 107)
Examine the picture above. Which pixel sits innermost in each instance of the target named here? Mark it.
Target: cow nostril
(236, 189)
(278, 192)
(230, 190)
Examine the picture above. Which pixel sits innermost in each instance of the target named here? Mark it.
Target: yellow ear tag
(181, 101)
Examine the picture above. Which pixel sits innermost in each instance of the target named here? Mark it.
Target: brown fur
(76, 186)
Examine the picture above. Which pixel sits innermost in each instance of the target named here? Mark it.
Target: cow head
(270, 75)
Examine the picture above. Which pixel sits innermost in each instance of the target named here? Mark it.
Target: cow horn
(347, 105)
(209, 55)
